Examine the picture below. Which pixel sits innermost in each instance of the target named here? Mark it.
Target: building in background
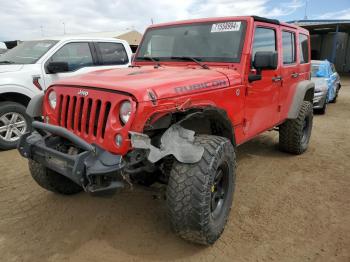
(330, 39)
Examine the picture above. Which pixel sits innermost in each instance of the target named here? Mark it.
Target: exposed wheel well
(309, 95)
(15, 97)
(207, 121)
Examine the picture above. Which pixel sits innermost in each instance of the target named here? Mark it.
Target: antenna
(305, 15)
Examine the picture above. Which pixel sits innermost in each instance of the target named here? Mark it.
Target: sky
(30, 19)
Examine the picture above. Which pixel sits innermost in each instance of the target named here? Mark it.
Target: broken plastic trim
(176, 141)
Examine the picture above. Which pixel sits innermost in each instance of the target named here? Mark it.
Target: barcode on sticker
(226, 27)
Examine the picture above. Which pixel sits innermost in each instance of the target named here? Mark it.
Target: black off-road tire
(294, 134)
(190, 191)
(7, 107)
(52, 181)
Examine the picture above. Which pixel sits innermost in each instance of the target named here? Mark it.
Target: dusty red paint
(251, 107)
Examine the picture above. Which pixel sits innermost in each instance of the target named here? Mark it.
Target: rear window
(113, 54)
(304, 48)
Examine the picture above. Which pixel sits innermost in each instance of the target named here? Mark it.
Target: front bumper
(319, 100)
(91, 167)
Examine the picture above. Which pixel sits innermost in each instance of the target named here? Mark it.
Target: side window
(304, 49)
(77, 55)
(113, 53)
(288, 43)
(264, 40)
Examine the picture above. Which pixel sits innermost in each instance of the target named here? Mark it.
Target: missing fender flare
(176, 141)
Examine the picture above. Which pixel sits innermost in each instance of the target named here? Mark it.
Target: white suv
(32, 66)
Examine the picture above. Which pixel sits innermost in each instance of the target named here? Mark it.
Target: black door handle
(277, 78)
(295, 75)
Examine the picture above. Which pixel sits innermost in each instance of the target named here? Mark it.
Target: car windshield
(207, 42)
(27, 52)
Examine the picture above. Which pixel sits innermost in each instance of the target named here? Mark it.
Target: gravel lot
(286, 208)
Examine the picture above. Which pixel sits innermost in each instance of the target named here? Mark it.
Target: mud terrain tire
(294, 134)
(196, 191)
(52, 181)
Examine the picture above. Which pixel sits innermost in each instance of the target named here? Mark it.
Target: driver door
(262, 96)
(79, 57)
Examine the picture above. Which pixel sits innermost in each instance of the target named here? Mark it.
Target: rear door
(262, 96)
(112, 55)
(289, 70)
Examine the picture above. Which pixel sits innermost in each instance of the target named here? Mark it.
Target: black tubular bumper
(87, 168)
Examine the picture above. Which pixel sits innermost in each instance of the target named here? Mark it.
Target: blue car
(327, 84)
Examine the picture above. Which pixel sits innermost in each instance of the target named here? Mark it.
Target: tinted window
(288, 42)
(218, 41)
(264, 40)
(28, 52)
(77, 55)
(113, 54)
(304, 48)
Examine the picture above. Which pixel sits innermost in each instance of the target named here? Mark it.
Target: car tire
(294, 134)
(51, 180)
(14, 122)
(199, 196)
(322, 110)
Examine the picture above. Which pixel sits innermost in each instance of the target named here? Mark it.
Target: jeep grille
(83, 115)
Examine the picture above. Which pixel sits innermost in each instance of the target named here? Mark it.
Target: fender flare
(21, 90)
(303, 92)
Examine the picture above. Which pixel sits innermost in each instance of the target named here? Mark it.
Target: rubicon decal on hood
(204, 85)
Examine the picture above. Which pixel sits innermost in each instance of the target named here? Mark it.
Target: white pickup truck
(32, 66)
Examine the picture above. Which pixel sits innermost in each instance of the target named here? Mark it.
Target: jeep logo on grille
(83, 93)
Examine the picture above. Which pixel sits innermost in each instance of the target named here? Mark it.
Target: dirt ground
(286, 208)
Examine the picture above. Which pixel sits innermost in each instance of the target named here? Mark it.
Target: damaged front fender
(176, 141)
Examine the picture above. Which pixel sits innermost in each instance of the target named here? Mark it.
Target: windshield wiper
(6, 62)
(189, 58)
(149, 58)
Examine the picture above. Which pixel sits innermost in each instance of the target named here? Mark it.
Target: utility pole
(42, 30)
(305, 15)
(64, 28)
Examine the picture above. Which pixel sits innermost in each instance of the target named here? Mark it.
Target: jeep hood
(163, 82)
(10, 68)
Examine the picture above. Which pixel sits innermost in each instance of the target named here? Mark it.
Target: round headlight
(53, 99)
(125, 111)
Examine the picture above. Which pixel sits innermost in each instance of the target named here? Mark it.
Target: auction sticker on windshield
(225, 27)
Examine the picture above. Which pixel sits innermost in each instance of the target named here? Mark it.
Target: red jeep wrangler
(196, 90)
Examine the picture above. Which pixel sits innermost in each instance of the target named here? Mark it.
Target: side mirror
(57, 67)
(265, 60)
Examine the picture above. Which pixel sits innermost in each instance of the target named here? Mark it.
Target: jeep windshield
(205, 42)
(27, 52)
